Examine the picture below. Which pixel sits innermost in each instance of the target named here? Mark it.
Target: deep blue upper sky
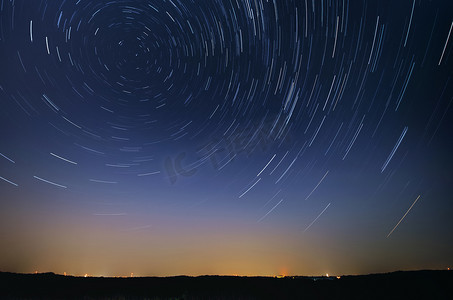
(251, 137)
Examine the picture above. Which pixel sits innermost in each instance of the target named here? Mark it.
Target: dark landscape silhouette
(406, 285)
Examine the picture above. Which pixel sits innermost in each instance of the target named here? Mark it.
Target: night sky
(250, 137)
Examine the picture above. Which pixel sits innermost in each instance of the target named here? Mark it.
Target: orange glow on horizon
(283, 271)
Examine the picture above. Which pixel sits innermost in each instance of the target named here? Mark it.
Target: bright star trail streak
(49, 182)
(445, 46)
(403, 216)
(10, 182)
(64, 159)
(270, 210)
(200, 116)
(308, 227)
(403, 134)
(314, 189)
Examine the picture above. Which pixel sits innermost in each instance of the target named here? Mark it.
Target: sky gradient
(225, 137)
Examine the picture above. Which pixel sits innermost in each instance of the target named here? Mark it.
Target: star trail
(246, 137)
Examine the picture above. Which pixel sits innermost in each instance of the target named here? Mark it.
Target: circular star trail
(323, 119)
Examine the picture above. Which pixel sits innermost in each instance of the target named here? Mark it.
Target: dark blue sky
(247, 137)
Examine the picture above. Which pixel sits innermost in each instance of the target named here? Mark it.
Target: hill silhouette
(409, 284)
